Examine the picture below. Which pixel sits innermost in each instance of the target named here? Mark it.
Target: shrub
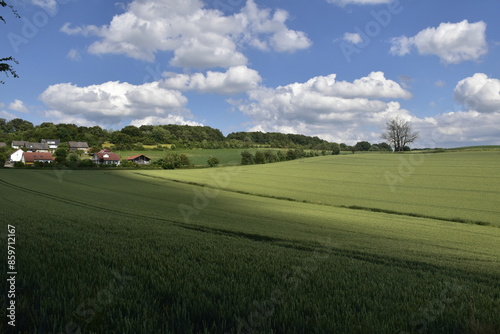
(126, 163)
(270, 156)
(363, 146)
(138, 147)
(94, 149)
(185, 160)
(260, 157)
(212, 161)
(246, 158)
(87, 163)
(385, 147)
(171, 161)
(18, 164)
(335, 149)
(299, 153)
(290, 155)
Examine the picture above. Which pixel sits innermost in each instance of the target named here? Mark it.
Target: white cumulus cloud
(235, 80)
(460, 128)
(73, 54)
(168, 119)
(197, 36)
(49, 5)
(375, 85)
(112, 102)
(6, 115)
(353, 38)
(18, 105)
(453, 43)
(349, 112)
(479, 93)
(323, 106)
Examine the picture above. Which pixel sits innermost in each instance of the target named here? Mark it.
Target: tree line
(179, 136)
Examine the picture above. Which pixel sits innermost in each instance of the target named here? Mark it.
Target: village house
(36, 147)
(29, 158)
(78, 146)
(53, 143)
(17, 156)
(140, 159)
(106, 158)
(18, 144)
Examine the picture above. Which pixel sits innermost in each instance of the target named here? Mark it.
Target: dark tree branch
(4, 65)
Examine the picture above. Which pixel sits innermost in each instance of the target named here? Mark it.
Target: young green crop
(112, 251)
(463, 187)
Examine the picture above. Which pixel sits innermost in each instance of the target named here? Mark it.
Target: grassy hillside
(477, 148)
(121, 252)
(461, 186)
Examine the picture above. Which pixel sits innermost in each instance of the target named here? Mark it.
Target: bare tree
(399, 133)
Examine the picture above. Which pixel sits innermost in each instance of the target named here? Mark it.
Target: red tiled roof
(108, 156)
(35, 156)
(137, 156)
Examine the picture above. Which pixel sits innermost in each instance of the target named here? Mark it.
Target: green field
(477, 148)
(258, 249)
(454, 186)
(198, 157)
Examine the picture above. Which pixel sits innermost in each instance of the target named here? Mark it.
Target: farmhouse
(36, 147)
(106, 158)
(17, 156)
(78, 146)
(30, 158)
(53, 143)
(140, 159)
(18, 143)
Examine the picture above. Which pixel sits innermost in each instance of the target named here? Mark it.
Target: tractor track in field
(77, 203)
(299, 245)
(350, 207)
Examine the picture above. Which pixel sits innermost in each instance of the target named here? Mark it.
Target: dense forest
(183, 136)
(180, 136)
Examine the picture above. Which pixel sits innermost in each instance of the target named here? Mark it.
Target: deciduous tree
(399, 133)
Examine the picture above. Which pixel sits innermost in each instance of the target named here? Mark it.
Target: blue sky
(337, 69)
